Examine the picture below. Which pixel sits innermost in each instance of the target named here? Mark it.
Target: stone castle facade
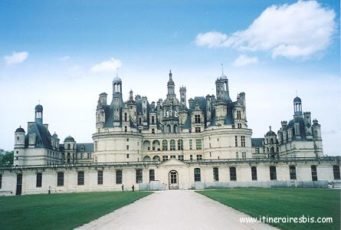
(170, 144)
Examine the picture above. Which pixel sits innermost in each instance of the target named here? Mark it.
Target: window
(239, 115)
(39, 179)
(199, 157)
(314, 173)
(125, 128)
(80, 178)
(197, 129)
(139, 176)
(239, 126)
(244, 155)
(191, 157)
(173, 177)
(197, 176)
(237, 155)
(198, 144)
(242, 140)
(164, 145)
(60, 179)
(190, 144)
(153, 131)
(151, 174)
(100, 177)
(164, 158)
(336, 172)
(172, 157)
(127, 147)
(181, 157)
(118, 176)
(254, 173)
(153, 120)
(125, 117)
(197, 119)
(236, 141)
(233, 174)
(292, 171)
(273, 173)
(0, 181)
(180, 145)
(172, 145)
(216, 174)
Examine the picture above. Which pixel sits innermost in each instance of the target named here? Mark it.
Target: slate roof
(257, 142)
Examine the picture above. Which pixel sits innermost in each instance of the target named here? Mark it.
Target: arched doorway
(173, 179)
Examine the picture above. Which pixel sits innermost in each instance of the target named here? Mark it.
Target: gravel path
(177, 209)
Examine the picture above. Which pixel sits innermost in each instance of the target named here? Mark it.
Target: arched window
(172, 145)
(197, 175)
(180, 145)
(156, 158)
(164, 145)
(146, 145)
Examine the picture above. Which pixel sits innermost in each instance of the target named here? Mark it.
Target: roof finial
(270, 127)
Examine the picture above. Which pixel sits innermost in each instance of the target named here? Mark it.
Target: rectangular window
(100, 177)
(197, 119)
(197, 176)
(292, 171)
(336, 172)
(190, 144)
(181, 157)
(239, 126)
(273, 173)
(153, 131)
(239, 115)
(198, 144)
(216, 174)
(151, 174)
(80, 179)
(254, 173)
(244, 155)
(314, 173)
(118, 176)
(197, 129)
(60, 179)
(191, 157)
(172, 156)
(242, 141)
(153, 120)
(236, 141)
(199, 157)
(139, 176)
(164, 158)
(125, 117)
(39, 179)
(233, 174)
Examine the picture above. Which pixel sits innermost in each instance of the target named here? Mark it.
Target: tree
(6, 159)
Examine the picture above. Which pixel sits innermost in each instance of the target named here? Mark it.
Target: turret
(170, 86)
(39, 114)
(117, 101)
(297, 107)
(19, 138)
(222, 88)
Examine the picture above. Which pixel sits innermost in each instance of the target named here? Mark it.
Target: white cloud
(210, 39)
(243, 60)
(110, 65)
(298, 30)
(16, 58)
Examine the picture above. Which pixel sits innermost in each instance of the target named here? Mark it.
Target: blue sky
(64, 53)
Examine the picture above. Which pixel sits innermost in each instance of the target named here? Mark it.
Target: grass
(292, 202)
(60, 211)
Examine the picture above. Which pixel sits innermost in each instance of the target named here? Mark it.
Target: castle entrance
(173, 179)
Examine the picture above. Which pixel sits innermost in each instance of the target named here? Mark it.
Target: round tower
(19, 138)
(297, 106)
(39, 114)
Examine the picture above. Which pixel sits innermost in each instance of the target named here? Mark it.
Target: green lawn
(60, 211)
(292, 202)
